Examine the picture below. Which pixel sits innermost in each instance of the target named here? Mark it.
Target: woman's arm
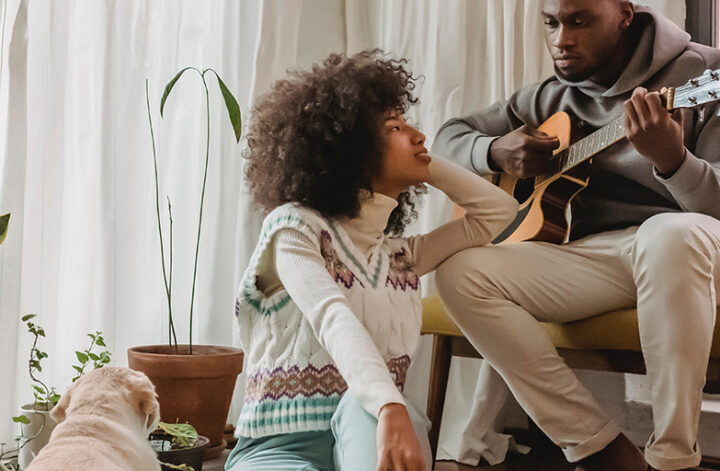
(488, 210)
(301, 270)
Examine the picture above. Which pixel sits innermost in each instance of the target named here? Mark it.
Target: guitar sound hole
(524, 189)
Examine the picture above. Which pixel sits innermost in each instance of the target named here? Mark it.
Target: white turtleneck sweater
(295, 259)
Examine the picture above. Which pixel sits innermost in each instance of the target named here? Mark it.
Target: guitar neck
(702, 89)
(592, 144)
(587, 147)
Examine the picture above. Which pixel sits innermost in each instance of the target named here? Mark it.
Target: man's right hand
(524, 152)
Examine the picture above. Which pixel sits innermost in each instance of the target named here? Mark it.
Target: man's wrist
(668, 170)
(491, 164)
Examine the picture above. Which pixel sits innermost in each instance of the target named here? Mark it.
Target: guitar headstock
(697, 91)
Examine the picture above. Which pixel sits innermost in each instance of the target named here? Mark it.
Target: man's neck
(612, 70)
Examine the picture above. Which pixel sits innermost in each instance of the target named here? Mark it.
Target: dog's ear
(141, 395)
(59, 412)
(150, 409)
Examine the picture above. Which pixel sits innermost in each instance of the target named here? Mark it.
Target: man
(645, 232)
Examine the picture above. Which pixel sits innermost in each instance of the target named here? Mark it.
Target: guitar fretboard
(586, 147)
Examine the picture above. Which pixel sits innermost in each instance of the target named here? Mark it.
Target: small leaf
(233, 109)
(55, 398)
(78, 369)
(38, 367)
(100, 341)
(93, 357)
(21, 419)
(39, 389)
(41, 332)
(91, 336)
(4, 222)
(169, 87)
(82, 357)
(28, 317)
(184, 435)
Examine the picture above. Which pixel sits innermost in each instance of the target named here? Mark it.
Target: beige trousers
(669, 267)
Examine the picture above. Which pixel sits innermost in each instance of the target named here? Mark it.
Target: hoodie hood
(660, 41)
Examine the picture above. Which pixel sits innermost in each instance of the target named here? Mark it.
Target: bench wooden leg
(439, 372)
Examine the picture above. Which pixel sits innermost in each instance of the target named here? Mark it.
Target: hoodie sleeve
(696, 184)
(467, 139)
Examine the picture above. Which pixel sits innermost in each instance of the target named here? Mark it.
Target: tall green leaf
(169, 87)
(232, 106)
(4, 221)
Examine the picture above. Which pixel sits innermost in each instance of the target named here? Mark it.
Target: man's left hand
(655, 133)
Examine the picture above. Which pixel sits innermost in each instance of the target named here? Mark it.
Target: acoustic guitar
(544, 200)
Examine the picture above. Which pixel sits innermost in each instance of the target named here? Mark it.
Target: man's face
(583, 35)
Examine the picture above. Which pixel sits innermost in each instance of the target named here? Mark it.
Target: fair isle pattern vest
(292, 384)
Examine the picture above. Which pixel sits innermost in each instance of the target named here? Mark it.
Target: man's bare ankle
(619, 455)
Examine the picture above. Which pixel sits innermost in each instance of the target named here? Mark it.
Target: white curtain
(76, 165)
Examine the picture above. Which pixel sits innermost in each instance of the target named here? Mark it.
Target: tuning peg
(694, 82)
(712, 94)
(692, 100)
(714, 75)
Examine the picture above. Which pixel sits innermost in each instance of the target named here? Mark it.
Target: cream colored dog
(104, 420)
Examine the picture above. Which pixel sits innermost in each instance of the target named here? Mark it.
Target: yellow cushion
(615, 330)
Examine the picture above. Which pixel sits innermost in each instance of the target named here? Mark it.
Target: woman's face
(405, 159)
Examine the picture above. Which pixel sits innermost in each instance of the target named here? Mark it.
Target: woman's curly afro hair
(315, 137)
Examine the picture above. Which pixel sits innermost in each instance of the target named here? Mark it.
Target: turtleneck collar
(366, 230)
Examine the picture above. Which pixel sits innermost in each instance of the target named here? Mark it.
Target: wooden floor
(535, 461)
(544, 460)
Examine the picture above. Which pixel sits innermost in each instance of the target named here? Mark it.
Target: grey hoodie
(624, 189)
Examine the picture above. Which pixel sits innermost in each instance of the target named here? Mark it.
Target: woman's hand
(397, 444)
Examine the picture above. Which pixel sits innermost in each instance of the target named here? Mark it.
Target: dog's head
(111, 386)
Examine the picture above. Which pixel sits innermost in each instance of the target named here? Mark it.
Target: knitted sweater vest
(292, 383)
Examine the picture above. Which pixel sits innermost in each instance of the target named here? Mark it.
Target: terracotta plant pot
(195, 389)
(192, 456)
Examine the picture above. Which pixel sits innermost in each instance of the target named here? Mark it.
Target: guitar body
(544, 202)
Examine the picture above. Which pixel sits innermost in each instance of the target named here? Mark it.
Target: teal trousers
(349, 445)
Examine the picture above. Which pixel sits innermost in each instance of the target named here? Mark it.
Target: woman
(329, 308)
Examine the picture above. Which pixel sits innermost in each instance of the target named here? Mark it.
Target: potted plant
(36, 423)
(178, 446)
(194, 383)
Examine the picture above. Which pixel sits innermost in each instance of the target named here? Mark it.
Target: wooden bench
(606, 342)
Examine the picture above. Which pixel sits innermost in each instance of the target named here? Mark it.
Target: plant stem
(171, 327)
(33, 353)
(171, 263)
(202, 200)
